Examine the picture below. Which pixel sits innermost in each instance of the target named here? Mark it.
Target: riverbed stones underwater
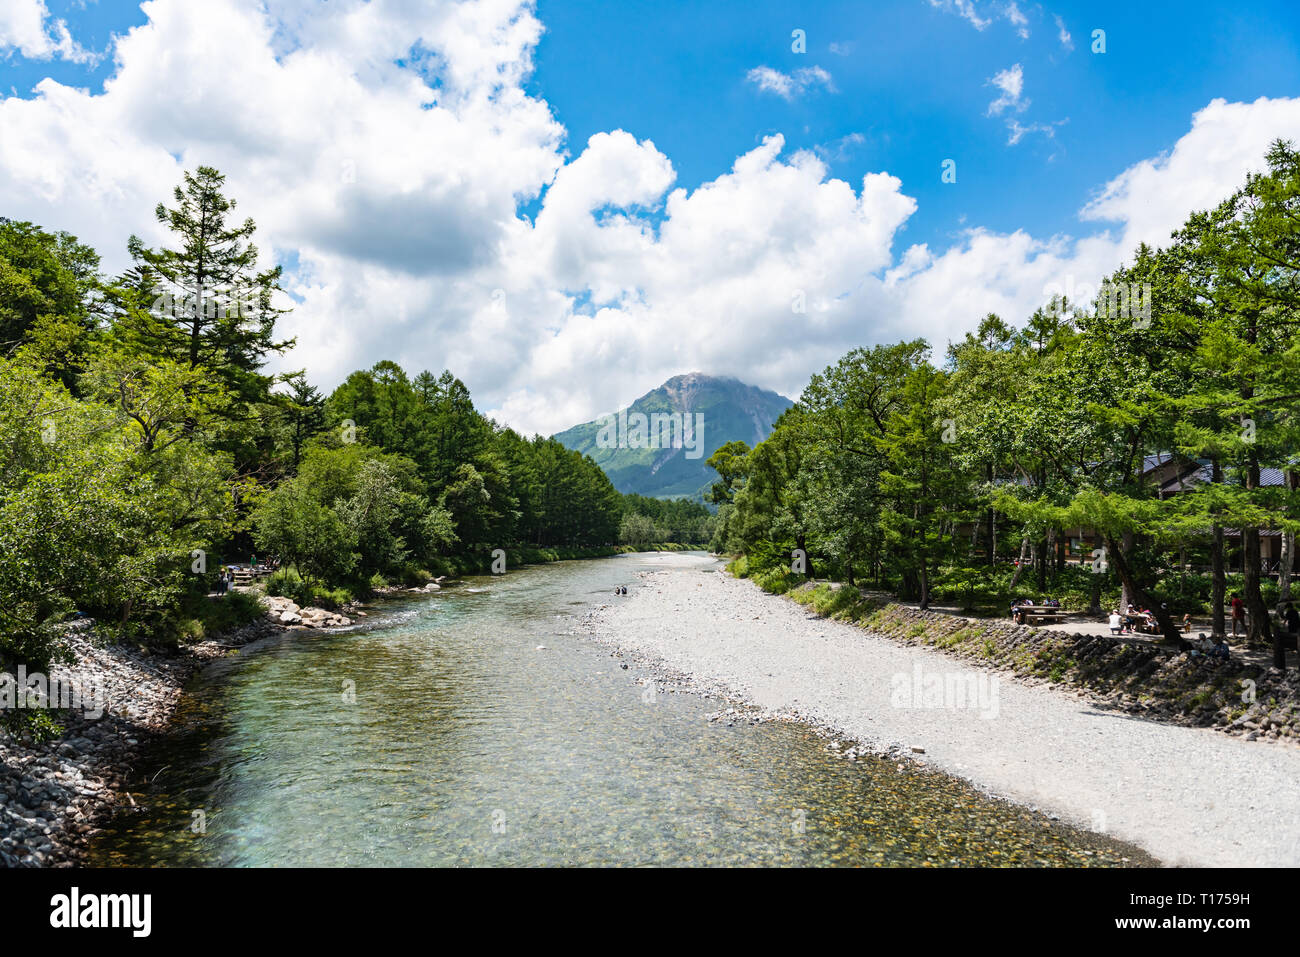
(56, 795)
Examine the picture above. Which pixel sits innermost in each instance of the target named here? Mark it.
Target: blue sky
(910, 79)
(541, 196)
(914, 85)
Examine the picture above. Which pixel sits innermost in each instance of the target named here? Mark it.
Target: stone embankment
(1136, 676)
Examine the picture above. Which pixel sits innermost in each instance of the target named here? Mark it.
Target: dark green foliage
(1147, 429)
(666, 520)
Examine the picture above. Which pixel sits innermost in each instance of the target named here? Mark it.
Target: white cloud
(790, 85)
(1010, 274)
(1018, 131)
(1011, 82)
(1226, 141)
(25, 26)
(1062, 33)
(1011, 100)
(1017, 19)
(963, 8)
(969, 11)
(393, 193)
(840, 149)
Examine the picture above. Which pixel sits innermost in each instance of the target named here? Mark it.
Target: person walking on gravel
(1238, 614)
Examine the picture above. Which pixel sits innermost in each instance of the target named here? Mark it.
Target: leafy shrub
(190, 630)
(331, 598)
(34, 724)
(836, 602)
(778, 580)
(414, 575)
(287, 583)
(232, 610)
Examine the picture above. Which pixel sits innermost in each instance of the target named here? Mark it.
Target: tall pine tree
(206, 303)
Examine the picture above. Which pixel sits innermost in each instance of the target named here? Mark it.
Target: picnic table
(1036, 614)
(246, 574)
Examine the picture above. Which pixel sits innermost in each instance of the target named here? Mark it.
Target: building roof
(1202, 473)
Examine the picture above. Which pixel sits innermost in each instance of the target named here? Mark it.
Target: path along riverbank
(1188, 795)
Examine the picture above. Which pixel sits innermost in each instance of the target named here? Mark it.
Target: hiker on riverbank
(1238, 613)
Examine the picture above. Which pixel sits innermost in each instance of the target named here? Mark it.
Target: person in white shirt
(1116, 623)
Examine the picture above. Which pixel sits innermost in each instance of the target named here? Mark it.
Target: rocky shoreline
(56, 795)
(1140, 678)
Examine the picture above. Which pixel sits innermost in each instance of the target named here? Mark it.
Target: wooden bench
(1036, 614)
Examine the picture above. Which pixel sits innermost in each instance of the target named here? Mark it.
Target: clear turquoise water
(465, 745)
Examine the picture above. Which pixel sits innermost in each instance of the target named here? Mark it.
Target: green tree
(304, 415)
(293, 524)
(206, 303)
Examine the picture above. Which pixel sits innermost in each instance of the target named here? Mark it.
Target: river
(441, 732)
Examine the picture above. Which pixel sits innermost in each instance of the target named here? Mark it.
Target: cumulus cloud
(790, 85)
(1226, 141)
(1013, 274)
(26, 26)
(393, 190)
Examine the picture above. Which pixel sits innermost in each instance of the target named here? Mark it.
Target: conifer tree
(206, 302)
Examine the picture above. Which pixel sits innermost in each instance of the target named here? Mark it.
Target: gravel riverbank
(54, 795)
(1189, 796)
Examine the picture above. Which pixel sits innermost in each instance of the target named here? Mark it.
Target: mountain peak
(659, 444)
(688, 377)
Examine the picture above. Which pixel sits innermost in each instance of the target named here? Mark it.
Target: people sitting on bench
(1022, 607)
(1026, 611)
(1216, 647)
(1015, 609)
